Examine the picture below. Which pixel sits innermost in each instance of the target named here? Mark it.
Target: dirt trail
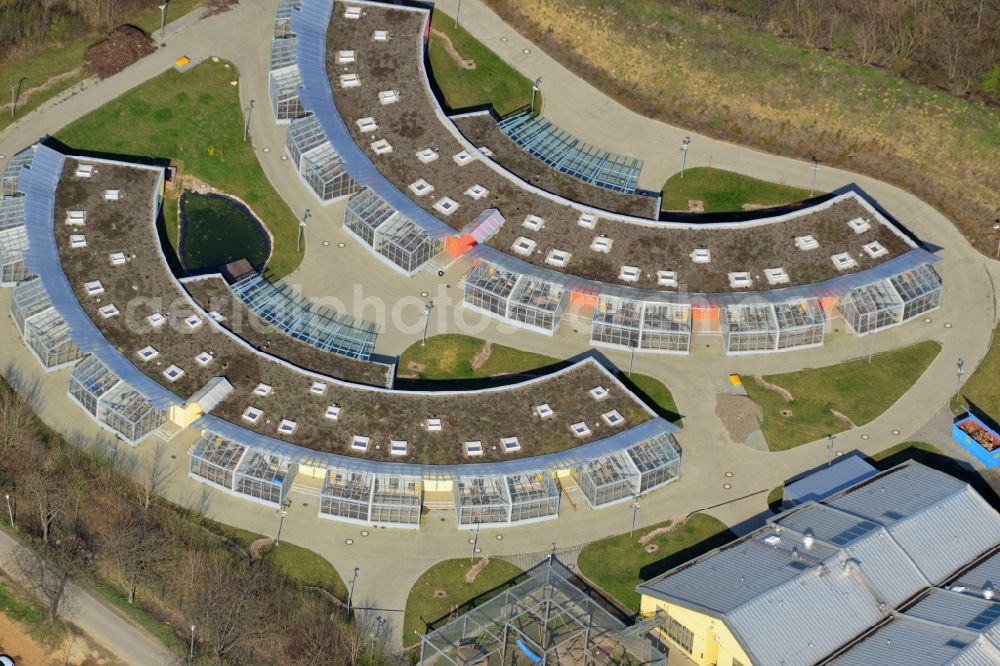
(784, 393)
(25, 95)
(452, 51)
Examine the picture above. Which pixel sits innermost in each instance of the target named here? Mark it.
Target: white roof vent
(360, 443)
(397, 447)
(204, 358)
(77, 241)
(382, 147)
(76, 218)
(875, 250)
(544, 410)
(989, 591)
(598, 393)
(349, 81)
(808, 538)
(84, 170)
(252, 414)
(740, 280)
(601, 244)
(148, 353)
(193, 321)
(486, 151)
(772, 540)
(776, 276)
(94, 288)
(477, 191)
(434, 424)
(666, 278)
(366, 124)
(524, 246)
(859, 225)
(843, 261)
(263, 390)
(173, 373)
(216, 316)
(806, 242)
(381, 36)
(474, 449)
(558, 258)
(629, 273)
(332, 412)
(427, 155)
(317, 388)
(112, 195)
(117, 258)
(613, 417)
(533, 222)
(446, 205)
(352, 12)
(156, 320)
(587, 220)
(421, 187)
(701, 256)
(345, 57)
(287, 427)
(108, 311)
(580, 429)
(387, 97)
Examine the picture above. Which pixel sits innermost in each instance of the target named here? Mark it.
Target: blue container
(989, 459)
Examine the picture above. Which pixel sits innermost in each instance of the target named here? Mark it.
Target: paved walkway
(391, 560)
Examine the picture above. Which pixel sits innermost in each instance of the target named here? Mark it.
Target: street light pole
(246, 125)
(815, 168)
(163, 19)
(960, 365)
(635, 510)
(10, 511)
(684, 153)
(302, 225)
(350, 594)
(829, 447)
(535, 87)
(15, 91)
(631, 359)
(281, 513)
(475, 542)
(457, 12)
(191, 652)
(871, 347)
(428, 306)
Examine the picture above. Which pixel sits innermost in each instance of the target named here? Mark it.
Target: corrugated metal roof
(821, 484)
(957, 609)
(887, 566)
(897, 493)
(905, 642)
(838, 528)
(986, 572)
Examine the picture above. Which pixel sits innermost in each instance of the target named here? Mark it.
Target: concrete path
(111, 631)
(391, 560)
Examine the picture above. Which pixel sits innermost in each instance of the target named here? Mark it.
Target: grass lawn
(450, 356)
(982, 390)
(30, 616)
(300, 564)
(195, 120)
(856, 389)
(617, 564)
(422, 607)
(492, 81)
(64, 58)
(724, 191)
(657, 393)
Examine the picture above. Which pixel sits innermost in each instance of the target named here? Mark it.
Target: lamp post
(191, 651)
(428, 306)
(475, 541)
(871, 345)
(996, 227)
(10, 511)
(535, 87)
(350, 593)
(246, 125)
(815, 168)
(635, 511)
(960, 366)
(829, 447)
(458, 11)
(631, 359)
(684, 153)
(281, 513)
(163, 19)
(302, 225)
(15, 91)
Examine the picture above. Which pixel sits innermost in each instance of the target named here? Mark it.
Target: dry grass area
(482, 130)
(143, 287)
(213, 294)
(411, 125)
(707, 72)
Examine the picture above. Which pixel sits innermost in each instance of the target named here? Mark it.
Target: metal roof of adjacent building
(822, 483)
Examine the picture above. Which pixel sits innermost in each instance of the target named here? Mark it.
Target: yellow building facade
(703, 638)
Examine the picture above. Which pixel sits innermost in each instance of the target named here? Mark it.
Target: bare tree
(48, 569)
(17, 421)
(137, 549)
(154, 474)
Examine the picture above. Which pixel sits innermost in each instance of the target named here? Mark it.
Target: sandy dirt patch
(464, 63)
(739, 414)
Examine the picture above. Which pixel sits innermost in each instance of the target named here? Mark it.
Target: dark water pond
(216, 229)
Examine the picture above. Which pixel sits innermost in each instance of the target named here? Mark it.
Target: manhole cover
(472, 541)
(341, 245)
(651, 548)
(866, 436)
(479, 550)
(215, 58)
(927, 320)
(787, 413)
(284, 157)
(326, 243)
(726, 486)
(266, 149)
(526, 51)
(505, 39)
(896, 433)
(499, 537)
(234, 83)
(947, 324)
(840, 453)
(729, 475)
(424, 294)
(364, 533)
(349, 542)
(440, 594)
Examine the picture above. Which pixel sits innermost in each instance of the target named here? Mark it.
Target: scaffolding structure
(293, 314)
(366, 498)
(42, 328)
(650, 326)
(113, 403)
(548, 617)
(259, 475)
(626, 474)
(500, 501)
(524, 300)
(388, 233)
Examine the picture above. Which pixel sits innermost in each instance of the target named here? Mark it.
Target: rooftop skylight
(287, 427)
(108, 311)
(701, 256)
(486, 151)
(367, 124)
(587, 221)
(193, 321)
(446, 205)
(598, 393)
(477, 191)
(349, 80)
(421, 187)
(94, 288)
(387, 97)
(263, 390)
(397, 447)
(843, 261)
(875, 249)
(427, 155)
(613, 417)
(666, 278)
(359, 443)
(252, 414)
(332, 412)
(859, 225)
(473, 449)
(112, 195)
(352, 12)
(382, 147)
(462, 158)
(533, 222)
(76, 218)
(510, 444)
(173, 373)
(204, 358)
(629, 273)
(317, 388)
(776, 276)
(381, 36)
(806, 242)
(156, 320)
(77, 241)
(84, 170)
(601, 244)
(117, 258)
(434, 424)
(740, 280)
(147, 353)
(524, 246)
(345, 57)
(580, 429)
(544, 410)
(558, 258)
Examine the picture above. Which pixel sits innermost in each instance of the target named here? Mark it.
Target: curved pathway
(391, 560)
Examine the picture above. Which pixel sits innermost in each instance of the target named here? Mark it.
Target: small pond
(216, 229)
